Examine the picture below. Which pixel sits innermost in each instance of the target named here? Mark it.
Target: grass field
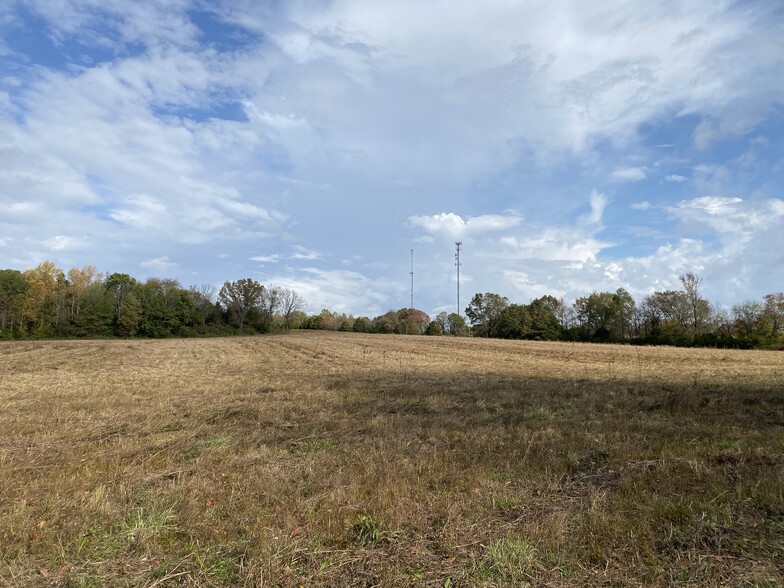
(332, 459)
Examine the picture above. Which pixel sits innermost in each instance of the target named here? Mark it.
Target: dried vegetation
(331, 459)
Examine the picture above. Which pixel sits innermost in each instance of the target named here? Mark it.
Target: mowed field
(341, 459)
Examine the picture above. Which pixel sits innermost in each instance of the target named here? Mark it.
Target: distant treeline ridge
(47, 302)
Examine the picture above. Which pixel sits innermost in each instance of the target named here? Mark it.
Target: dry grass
(356, 460)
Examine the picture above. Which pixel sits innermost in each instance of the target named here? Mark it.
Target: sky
(570, 146)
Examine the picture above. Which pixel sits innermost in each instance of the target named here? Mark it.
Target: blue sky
(570, 146)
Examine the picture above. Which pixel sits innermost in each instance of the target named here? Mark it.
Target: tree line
(672, 317)
(47, 302)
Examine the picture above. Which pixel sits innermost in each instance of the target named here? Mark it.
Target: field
(332, 459)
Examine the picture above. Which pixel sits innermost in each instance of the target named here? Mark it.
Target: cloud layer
(571, 147)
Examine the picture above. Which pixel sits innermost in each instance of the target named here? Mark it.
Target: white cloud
(644, 205)
(304, 254)
(628, 174)
(158, 264)
(62, 242)
(598, 203)
(675, 178)
(274, 258)
(455, 227)
(341, 290)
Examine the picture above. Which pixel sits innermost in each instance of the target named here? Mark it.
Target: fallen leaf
(297, 532)
(287, 571)
(35, 537)
(210, 503)
(63, 569)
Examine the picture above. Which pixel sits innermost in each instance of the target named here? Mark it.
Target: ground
(342, 459)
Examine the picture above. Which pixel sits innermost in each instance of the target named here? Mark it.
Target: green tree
(13, 286)
(456, 325)
(362, 324)
(484, 310)
(120, 285)
(545, 322)
(130, 316)
(386, 323)
(514, 322)
(595, 314)
(434, 328)
(624, 313)
(240, 298)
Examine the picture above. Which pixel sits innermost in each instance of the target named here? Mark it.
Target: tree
(240, 298)
(290, 302)
(79, 280)
(774, 313)
(412, 321)
(699, 307)
(545, 322)
(665, 316)
(120, 285)
(362, 324)
(748, 318)
(434, 328)
(595, 314)
(386, 323)
(442, 318)
(45, 296)
(130, 316)
(207, 311)
(13, 285)
(268, 304)
(514, 322)
(624, 312)
(484, 310)
(456, 325)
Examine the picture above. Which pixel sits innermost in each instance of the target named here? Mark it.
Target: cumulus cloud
(455, 227)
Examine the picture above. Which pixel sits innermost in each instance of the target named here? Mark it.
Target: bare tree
(699, 307)
(290, 302)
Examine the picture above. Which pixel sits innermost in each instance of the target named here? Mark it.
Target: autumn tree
(45, 296)
(411, 321)
(79, 280)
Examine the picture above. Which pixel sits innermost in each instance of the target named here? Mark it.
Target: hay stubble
(346, 459)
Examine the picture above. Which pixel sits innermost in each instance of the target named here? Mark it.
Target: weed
(367, 531)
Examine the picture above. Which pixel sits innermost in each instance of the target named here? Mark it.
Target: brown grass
(330, 459)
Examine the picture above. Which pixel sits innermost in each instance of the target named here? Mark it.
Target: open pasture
(341, 459)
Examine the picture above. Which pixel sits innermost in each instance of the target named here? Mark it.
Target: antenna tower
(457, 264)
(412, 278)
